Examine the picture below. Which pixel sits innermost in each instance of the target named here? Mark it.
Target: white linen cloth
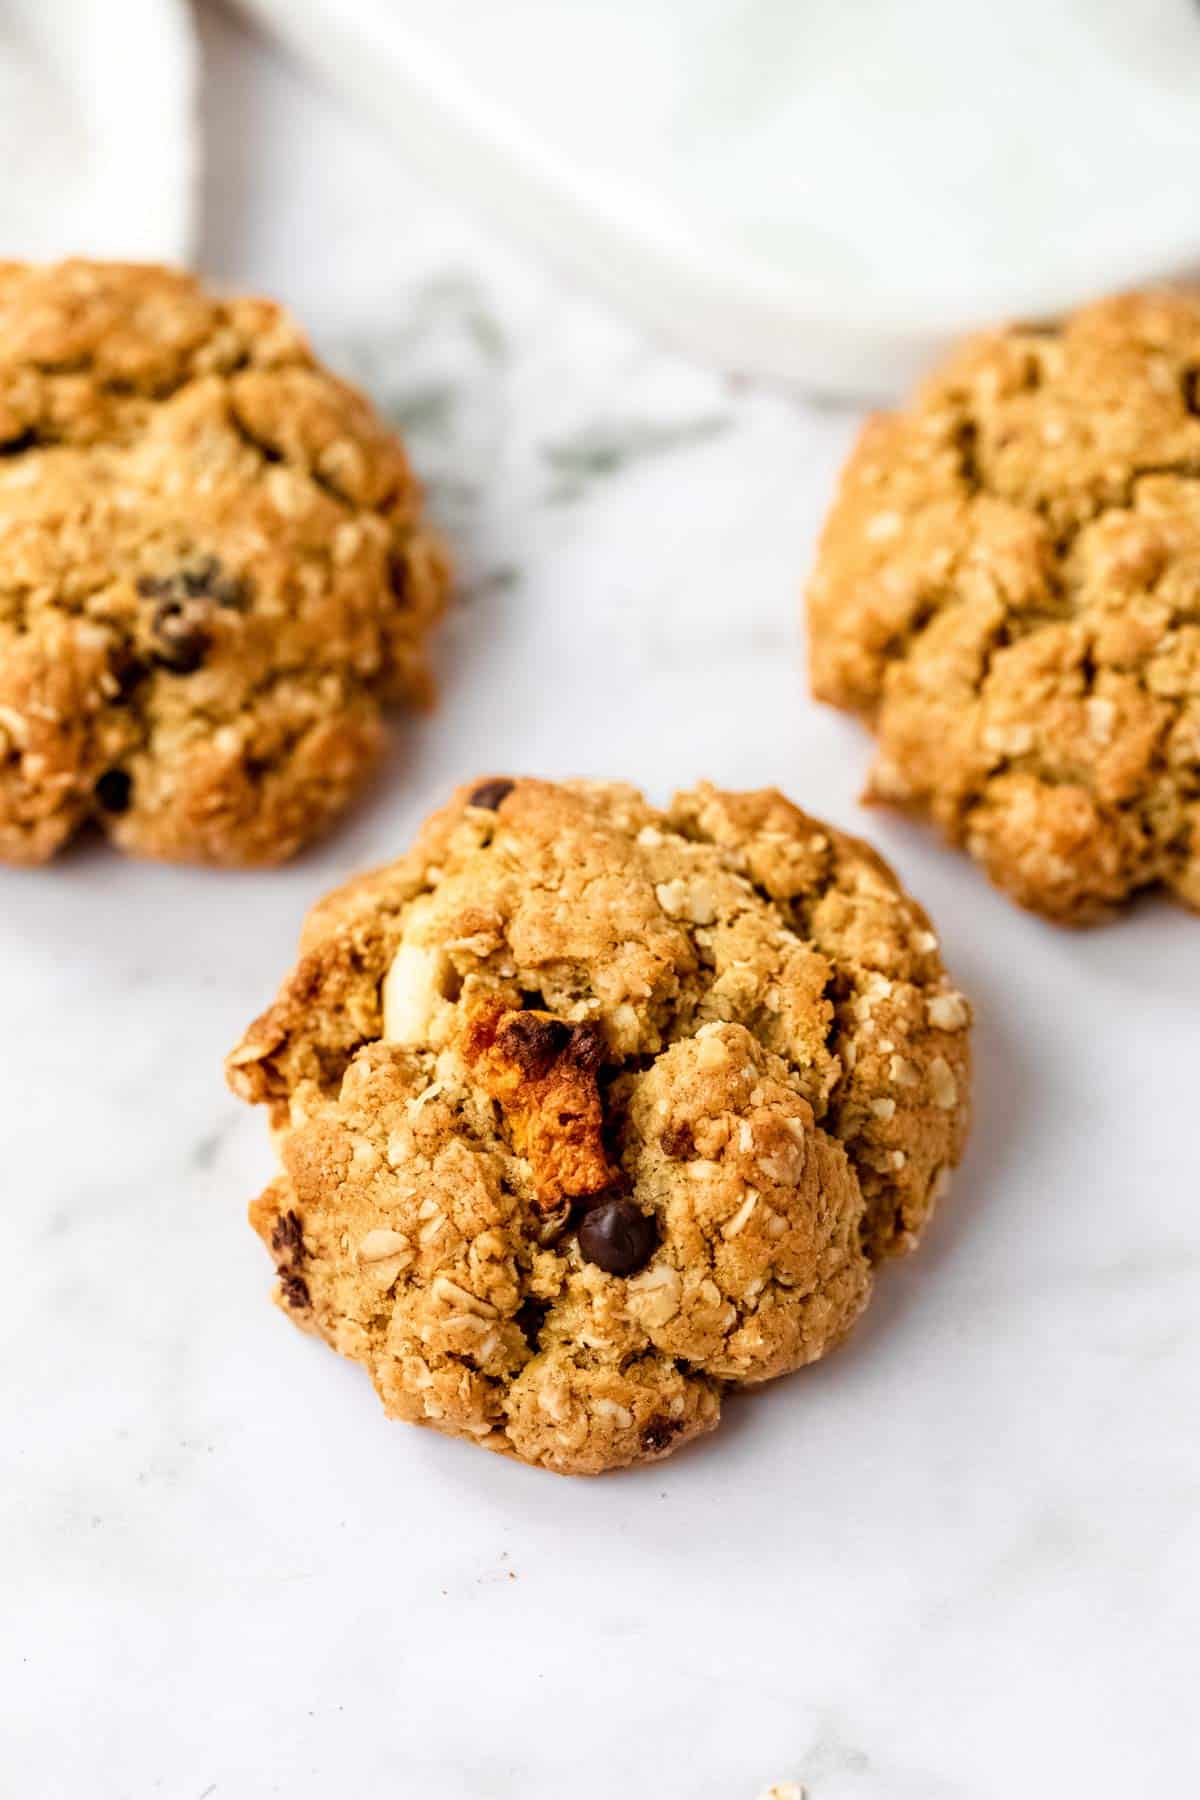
(97, 137)
(819, 192)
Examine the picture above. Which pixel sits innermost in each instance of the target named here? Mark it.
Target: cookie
(1008, 591)
(214, 572)
(589, 1112)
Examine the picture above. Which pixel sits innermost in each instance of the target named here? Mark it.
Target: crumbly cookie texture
(588, 1112)
(213, 571)
(1008, 590)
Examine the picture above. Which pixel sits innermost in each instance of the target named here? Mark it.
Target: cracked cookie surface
(588, 1111)
(1008, 591)
(213, 571)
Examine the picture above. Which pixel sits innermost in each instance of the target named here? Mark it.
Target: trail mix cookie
(214, 572)
(588, 1112)
(1008, 590)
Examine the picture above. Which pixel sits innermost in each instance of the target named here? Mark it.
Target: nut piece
(948, 1012)
(654, 1297)
(383, 1254)
(412, 990)
(543, 1073)
(904, 1072)
(945, 1088)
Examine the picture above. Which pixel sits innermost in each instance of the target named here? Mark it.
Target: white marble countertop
(959, 1561)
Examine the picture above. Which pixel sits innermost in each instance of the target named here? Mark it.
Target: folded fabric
(824, 193)
(97, 134)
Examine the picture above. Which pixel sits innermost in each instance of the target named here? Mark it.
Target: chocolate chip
(532, 1041)
(114, 791)
(586, 1048)
(203, 578)
(676, 1141)
(182, 622)
(659, 1433)
(585, 1203)
(294, 1289)
(489, 794)
(126, 669)
(16, 446)
(1191, 390)
(618, 1237)
(966, 442)
(287, 1239)
(181, 636)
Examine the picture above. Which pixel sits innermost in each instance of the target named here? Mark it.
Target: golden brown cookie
(588, 1112)
(1008, 590)
(213, 571)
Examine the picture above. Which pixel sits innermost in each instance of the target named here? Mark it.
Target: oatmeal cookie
(1008, 590)
(214, 572)
(588, 1112)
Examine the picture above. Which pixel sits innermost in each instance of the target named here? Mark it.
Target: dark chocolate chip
(585, 1203)
(966, 442)
(287, 1239)
(294, 1289)
(618, 1237)
(1191, 390)
(489, 794)
(126, 669)
(114, 790)
(17, 446)
(586, 1048)
(181, 637)
(203, 578)
(659, 1433)
(532, 1041)
(676, 1141)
